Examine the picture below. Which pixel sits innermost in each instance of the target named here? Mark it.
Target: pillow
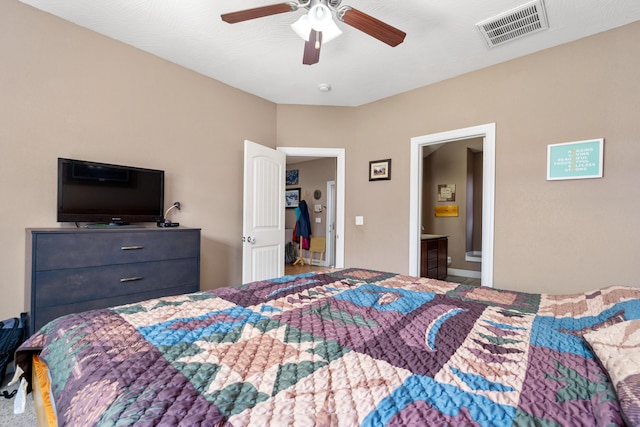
(617, 347)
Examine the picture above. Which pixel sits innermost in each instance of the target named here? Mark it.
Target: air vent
(514, 24)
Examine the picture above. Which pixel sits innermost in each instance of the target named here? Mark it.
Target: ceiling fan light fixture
(319, 16)
(330, 32)
(302, 27)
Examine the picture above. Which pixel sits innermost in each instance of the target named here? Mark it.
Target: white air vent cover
(515, 23)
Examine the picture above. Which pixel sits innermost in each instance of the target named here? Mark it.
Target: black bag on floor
(13, 332)
(290, 255)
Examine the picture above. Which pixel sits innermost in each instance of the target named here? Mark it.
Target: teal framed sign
(575, 160)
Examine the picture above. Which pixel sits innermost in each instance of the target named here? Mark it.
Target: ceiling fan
(317, 26)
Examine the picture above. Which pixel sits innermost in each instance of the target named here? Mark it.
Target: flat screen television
(108, 194)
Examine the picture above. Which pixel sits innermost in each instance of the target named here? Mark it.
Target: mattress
(354, 347)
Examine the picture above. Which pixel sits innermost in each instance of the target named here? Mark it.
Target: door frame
(339, 154)
(486, 131)
(330, 231)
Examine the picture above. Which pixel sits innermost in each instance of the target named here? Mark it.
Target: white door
(263, 213)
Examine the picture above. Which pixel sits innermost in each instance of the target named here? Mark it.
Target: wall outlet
(318, 219)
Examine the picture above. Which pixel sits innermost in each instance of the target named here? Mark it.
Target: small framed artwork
(575, 160)
(380, 170)
(444, 211)
(292, 177)
(291, 198)
(446, 192)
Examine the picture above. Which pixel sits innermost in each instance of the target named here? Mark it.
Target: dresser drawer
(46, 314)
(60, 287)
(104, 247)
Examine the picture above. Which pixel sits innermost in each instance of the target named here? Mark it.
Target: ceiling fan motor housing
(331, 4)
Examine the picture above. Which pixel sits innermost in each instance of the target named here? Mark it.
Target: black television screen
(104, 193)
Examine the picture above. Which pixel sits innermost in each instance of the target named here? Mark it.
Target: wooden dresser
(71, 270)
(433, 256)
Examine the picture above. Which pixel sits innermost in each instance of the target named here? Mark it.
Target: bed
(352, 347)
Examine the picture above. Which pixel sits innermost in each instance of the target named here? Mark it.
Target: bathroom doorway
(487, 134)
(452, 203)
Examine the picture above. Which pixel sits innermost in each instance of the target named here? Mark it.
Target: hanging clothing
(295, 237)
(302, 230)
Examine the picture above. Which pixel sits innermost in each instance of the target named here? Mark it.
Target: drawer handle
(131, 248)
(131, 279)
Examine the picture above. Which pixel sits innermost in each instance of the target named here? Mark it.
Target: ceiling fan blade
(372, 26)
(257, 12)
(312, 48)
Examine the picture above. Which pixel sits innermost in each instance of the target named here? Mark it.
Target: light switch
(359, 220)
(318, 219)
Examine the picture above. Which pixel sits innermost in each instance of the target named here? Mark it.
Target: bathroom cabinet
(433, 256)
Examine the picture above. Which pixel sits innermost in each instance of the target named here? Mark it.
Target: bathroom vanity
(433, 256)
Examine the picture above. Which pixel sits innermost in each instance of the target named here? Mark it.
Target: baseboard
(464, 273)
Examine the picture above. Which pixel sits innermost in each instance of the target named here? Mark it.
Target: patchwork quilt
(353, 347)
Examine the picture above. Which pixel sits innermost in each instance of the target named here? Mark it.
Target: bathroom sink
(430, 236)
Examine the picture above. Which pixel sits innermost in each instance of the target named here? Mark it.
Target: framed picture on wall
(575, 160)
(291, 198)
(446, 192)
(292, 177)
(380, 170)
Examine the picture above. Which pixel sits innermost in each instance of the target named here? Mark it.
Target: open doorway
(308, 177)
(338, 211)
(487, 134)
(452, 208)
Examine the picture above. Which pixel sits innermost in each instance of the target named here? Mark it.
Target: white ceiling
(264, 56)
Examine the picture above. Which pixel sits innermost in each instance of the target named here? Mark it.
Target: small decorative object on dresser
(73, 270)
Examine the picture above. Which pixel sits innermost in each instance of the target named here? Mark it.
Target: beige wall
(69, 92)
(562, 236)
